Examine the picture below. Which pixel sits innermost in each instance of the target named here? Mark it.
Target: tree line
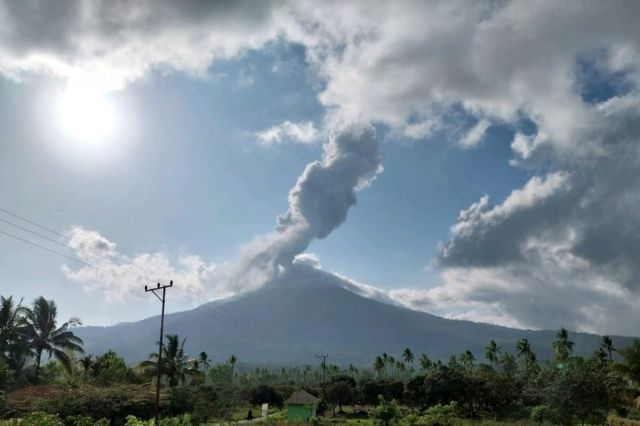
(498, 384)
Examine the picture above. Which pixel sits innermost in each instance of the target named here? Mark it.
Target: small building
(301, 406)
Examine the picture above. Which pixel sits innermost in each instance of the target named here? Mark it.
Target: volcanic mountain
(307, 311)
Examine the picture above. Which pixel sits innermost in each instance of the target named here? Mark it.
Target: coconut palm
(9, 323)
(607, 346)
(379, 365)
(42, 331)
(204, 360)
(408, 357)
(492, 351)
(524, 350)
(467, 359)
(86, 363)
(232, 361)
(562, 347)
(425, 362)
(175, 363)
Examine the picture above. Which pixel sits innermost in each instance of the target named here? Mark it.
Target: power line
(75, 259)
(48, 249)
(32, 222)
(224, 315)
(66, 238)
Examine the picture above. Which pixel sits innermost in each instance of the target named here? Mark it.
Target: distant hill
(307, 312)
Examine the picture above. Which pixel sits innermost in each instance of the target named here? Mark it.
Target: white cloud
(475, 134)
(121, 277)
(304, 132)
(409, 65)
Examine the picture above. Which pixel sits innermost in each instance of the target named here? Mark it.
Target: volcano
(308, 311)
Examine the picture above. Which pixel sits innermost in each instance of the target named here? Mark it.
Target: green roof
(302, 397)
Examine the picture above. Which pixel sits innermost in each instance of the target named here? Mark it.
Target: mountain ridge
(307, 311)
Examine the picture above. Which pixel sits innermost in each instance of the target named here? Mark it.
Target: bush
(541, 414)
(386, 412)
(37, 418)
(166, 421)
(441, 415)
(113, 403)
(620, 421)
(85, 421)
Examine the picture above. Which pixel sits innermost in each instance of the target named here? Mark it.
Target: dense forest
(46, 378)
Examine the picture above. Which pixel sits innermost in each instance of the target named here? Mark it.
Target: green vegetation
(45, 379)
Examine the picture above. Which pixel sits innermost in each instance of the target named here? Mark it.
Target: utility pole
(159, 366)
(324, 375)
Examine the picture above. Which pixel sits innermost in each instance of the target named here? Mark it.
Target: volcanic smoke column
(318, 204)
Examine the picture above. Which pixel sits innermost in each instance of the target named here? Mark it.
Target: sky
(473, 160)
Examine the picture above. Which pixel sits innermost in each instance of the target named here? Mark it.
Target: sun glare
(86, 115)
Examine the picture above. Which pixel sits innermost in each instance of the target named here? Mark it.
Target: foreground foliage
(411, 389)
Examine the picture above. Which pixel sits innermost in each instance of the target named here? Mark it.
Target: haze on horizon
(472, 160)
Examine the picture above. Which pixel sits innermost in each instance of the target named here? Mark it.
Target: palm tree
(467, 359)
(562, 347)
(607, 345)
(492, 351)
(524, 350)
(232, 361)
(204, 360)
(86, 363)
(42, 331)
(10, 320)
(425, 362)
(408, 356)
(379, 365)
(175, 363)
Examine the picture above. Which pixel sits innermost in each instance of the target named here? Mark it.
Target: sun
(86, 115)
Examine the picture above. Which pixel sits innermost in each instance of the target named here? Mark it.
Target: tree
(492, 351)
(425, 362)
(562, 346)
(10, 320)
(109, 368)
(340, 392)
(386, 412)
(607, 346)
(379, 365)
(467, 359)
(44, 335)
(175, 364)
(408, 356)
(630, 365)
(524, 350)
(86, 363)
(204, 360)
(232, 361)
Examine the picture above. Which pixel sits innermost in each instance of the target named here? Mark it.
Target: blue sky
(185, 174)
(193, 177)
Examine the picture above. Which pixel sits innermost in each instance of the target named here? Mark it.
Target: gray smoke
(318, 204)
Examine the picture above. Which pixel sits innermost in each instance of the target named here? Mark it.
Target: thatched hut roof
(302, 397)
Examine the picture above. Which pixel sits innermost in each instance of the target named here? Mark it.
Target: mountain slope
(306, 312)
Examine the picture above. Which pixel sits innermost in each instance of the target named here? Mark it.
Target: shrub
(85, 421)
(620, 421)
(441, 415)
(386, 412)
(541, 414)
(37, 418)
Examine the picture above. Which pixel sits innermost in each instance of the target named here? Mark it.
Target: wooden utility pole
(324, 375)
(159, 365)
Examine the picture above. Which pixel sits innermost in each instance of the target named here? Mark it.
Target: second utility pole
(159, 366)
(324, 375)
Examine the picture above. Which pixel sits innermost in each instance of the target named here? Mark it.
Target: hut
(301, 406)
